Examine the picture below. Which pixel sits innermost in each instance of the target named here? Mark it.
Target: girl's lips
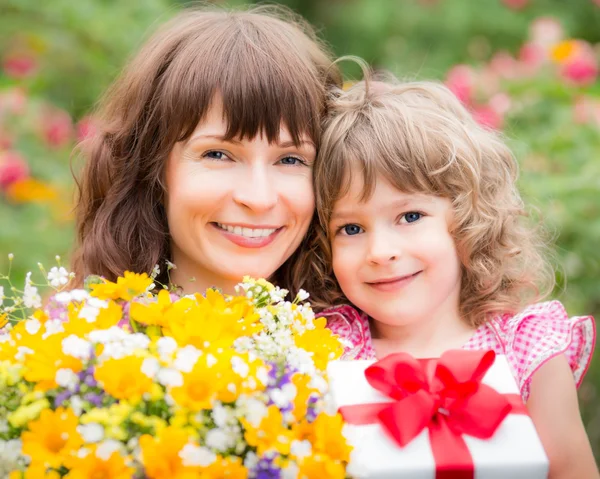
(393, 284)
(248, 242)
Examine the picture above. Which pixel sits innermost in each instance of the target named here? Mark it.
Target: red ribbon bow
(446, 396)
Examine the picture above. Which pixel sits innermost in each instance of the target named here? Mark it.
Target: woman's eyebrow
(214, 137)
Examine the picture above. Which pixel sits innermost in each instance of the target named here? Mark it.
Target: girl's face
(393, 255)
(237, 207)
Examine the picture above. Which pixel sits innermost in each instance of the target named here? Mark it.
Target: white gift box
(514, 451)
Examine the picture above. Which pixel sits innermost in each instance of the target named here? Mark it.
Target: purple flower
(311, 413)
(266, 469)
(62, 397)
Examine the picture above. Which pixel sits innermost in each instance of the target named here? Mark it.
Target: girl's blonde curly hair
(422, 139)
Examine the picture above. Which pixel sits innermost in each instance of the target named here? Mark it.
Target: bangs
(368, 149)
(266, 73)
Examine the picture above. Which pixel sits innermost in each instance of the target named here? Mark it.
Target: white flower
(89, 313)
(10, 454)
(302, 295)
(58, 276)
(301, 449)
(31, 298)
(186, 358)
(76, 347)
(76, 405)
(169, 377)
(63, 297)
(66, 378)
(253, 409)
(150, 367)
(79, 295)
(222, 415)
(197, 456)
(170, 265)
(96, 303)
(32, 326)
(210, 360)
(166, 346)
(106, 449)
(219, 440)
(290, 471)
(53, 326)
(239, 366)
(155, 271)
(1, 295)
(91, 432)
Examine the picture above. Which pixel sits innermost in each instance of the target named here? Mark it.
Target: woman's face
(235, 208)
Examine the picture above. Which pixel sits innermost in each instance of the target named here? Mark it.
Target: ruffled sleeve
(352, 327)
(541, 332)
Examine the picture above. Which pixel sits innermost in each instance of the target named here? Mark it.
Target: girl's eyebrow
(398, 204)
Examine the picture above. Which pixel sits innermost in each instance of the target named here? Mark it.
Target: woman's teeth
(247, 232)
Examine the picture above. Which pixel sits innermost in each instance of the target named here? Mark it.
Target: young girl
(422, 227)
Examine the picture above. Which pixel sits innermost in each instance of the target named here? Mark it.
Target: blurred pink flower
(500, 103)
(57, 128)
(487, 116)
(515, 4)
(597, 2)
(504, 65)
(532, 56)
(6, 140)
(546, 31)
(13, 167)
(13, 100)
(20, 66)
(86, 128)
(461, 81)
(580, 71)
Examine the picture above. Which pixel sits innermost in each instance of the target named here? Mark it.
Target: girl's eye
(216, 155)
(412, 216)
(292, 161)
(351, 230)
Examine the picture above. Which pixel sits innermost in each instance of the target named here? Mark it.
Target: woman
(205, 151)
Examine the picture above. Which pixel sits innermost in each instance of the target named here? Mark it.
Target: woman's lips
(245, 240)
(393, 284)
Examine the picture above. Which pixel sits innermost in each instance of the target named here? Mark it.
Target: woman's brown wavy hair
(268, 67)
(422, 139)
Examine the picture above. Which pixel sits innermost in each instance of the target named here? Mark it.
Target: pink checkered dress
(527, 339)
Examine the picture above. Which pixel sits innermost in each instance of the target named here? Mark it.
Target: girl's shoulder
(352, 326)
(541, 332)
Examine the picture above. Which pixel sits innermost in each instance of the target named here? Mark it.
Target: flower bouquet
(116, 381)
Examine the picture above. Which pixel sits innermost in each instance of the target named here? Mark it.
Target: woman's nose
(256, 189)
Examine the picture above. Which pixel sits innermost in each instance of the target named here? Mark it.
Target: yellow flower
(213, 320)
(52, 437)
(302, 395)
(328, 437)
(321, 342)
(35, 471)
(123, 378)
(230, 467)
(127, 287)
(107, 317)
(565, 50)
(3, 320)
(206, 382)
(92, 466)
(271, 434)
(321, 466)
(27, 412)
(154, 313)
(161, 455)
(30, 190)
(47, 358)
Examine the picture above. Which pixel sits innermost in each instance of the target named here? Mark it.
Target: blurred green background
(528, 67)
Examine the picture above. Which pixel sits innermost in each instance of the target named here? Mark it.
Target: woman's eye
(216, 155)
(351, 230)
(292, 161)
(412, 216)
